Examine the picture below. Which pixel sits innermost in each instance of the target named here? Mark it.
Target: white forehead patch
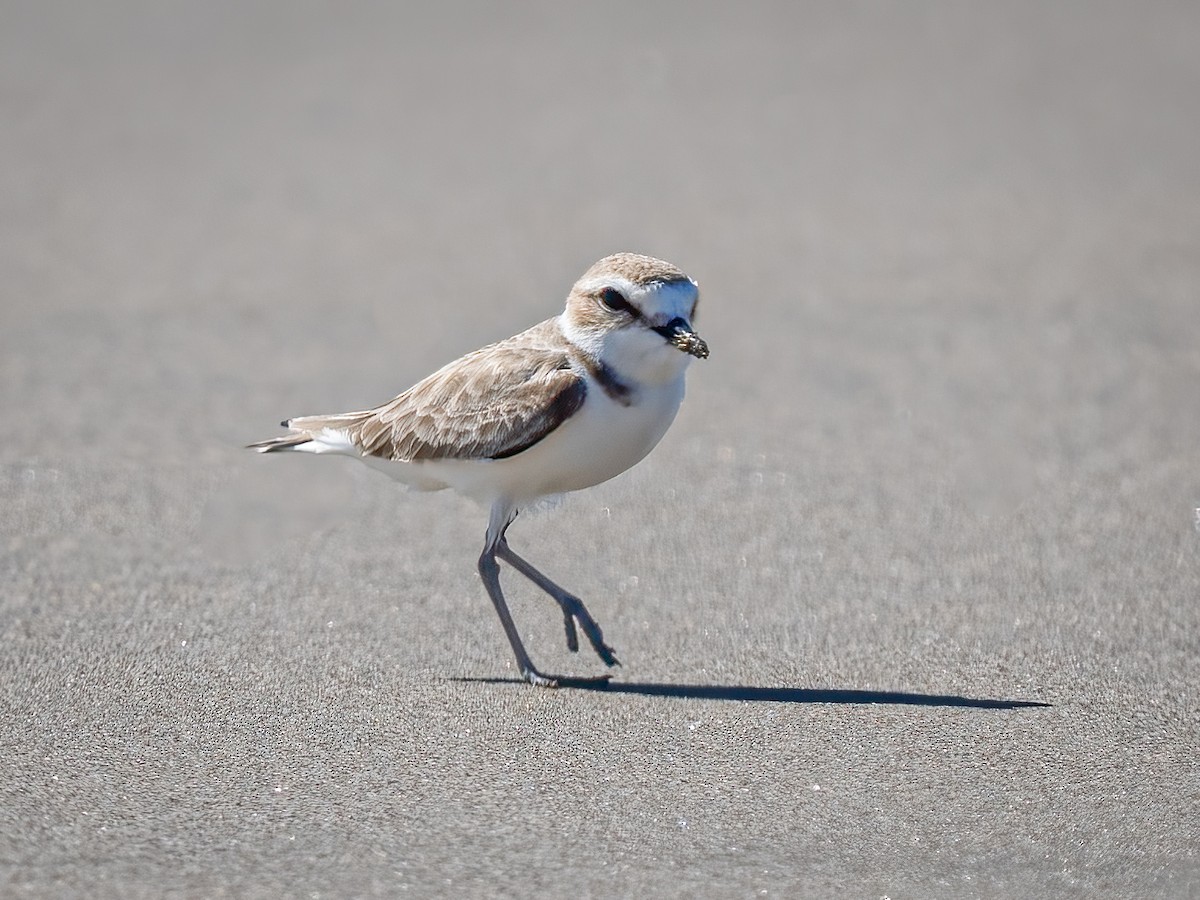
(667, 299)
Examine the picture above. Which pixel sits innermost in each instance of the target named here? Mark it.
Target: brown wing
(489, 404)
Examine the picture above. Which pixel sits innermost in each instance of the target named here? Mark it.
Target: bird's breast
(604, 438)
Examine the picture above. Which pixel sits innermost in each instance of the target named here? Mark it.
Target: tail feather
(286, 442)
(315, 434)
(336, 422)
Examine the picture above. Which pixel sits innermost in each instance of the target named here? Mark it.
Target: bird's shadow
(750, 693)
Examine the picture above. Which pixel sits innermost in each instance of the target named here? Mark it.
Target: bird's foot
(536, 678)
(574, 610)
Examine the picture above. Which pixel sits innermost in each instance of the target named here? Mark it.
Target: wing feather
(490, 404)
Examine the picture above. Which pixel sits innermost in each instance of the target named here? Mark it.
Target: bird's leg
(489, 571)
(506, 553)
(572, 607)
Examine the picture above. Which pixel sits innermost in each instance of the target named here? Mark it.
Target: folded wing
(490, 404)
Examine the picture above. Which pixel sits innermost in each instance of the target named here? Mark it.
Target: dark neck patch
(612, 384)
(606, 376)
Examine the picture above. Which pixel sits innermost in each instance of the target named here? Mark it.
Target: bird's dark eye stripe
(615, 300)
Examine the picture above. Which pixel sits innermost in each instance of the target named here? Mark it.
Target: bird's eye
(614, 300)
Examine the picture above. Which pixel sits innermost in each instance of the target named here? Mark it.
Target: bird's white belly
(599, 442)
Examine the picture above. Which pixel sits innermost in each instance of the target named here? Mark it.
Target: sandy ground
(906, 600)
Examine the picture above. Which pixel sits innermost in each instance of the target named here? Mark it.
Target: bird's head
(635, 313)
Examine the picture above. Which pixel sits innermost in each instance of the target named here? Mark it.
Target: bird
(565, 405)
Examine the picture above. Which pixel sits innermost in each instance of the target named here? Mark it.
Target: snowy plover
(566, 405)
